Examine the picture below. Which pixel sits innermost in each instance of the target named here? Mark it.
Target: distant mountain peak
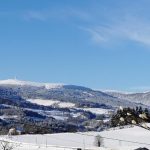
(29, 83)
(116, 91)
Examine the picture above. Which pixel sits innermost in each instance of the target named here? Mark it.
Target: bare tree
(98, 141)
(5, 145)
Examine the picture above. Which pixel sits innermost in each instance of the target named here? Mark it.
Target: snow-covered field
(98, 110)
(120, 139)
(47, 102)
(6, 117)
(59, 115)
(43, 102)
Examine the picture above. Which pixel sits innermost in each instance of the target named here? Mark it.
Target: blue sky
(95, 43)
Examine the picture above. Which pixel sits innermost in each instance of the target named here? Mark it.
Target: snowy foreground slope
(119, 139)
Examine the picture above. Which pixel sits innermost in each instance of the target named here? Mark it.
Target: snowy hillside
(81, 96)
(143, 98)
(120, 139)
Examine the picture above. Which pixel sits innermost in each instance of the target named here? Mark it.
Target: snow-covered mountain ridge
(13, 88)
(29, 83)
(143, 97)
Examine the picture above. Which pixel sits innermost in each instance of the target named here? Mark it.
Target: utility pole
(83, 143)
(46, 141)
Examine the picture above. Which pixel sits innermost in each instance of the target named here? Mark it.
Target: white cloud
(137, 30)
(96, 35)
(64, 13)
(117, 25)
(134, 30)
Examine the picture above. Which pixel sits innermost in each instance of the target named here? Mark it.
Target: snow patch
(3, 117)
(89, 94)
(66, 105)
(99, 111)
